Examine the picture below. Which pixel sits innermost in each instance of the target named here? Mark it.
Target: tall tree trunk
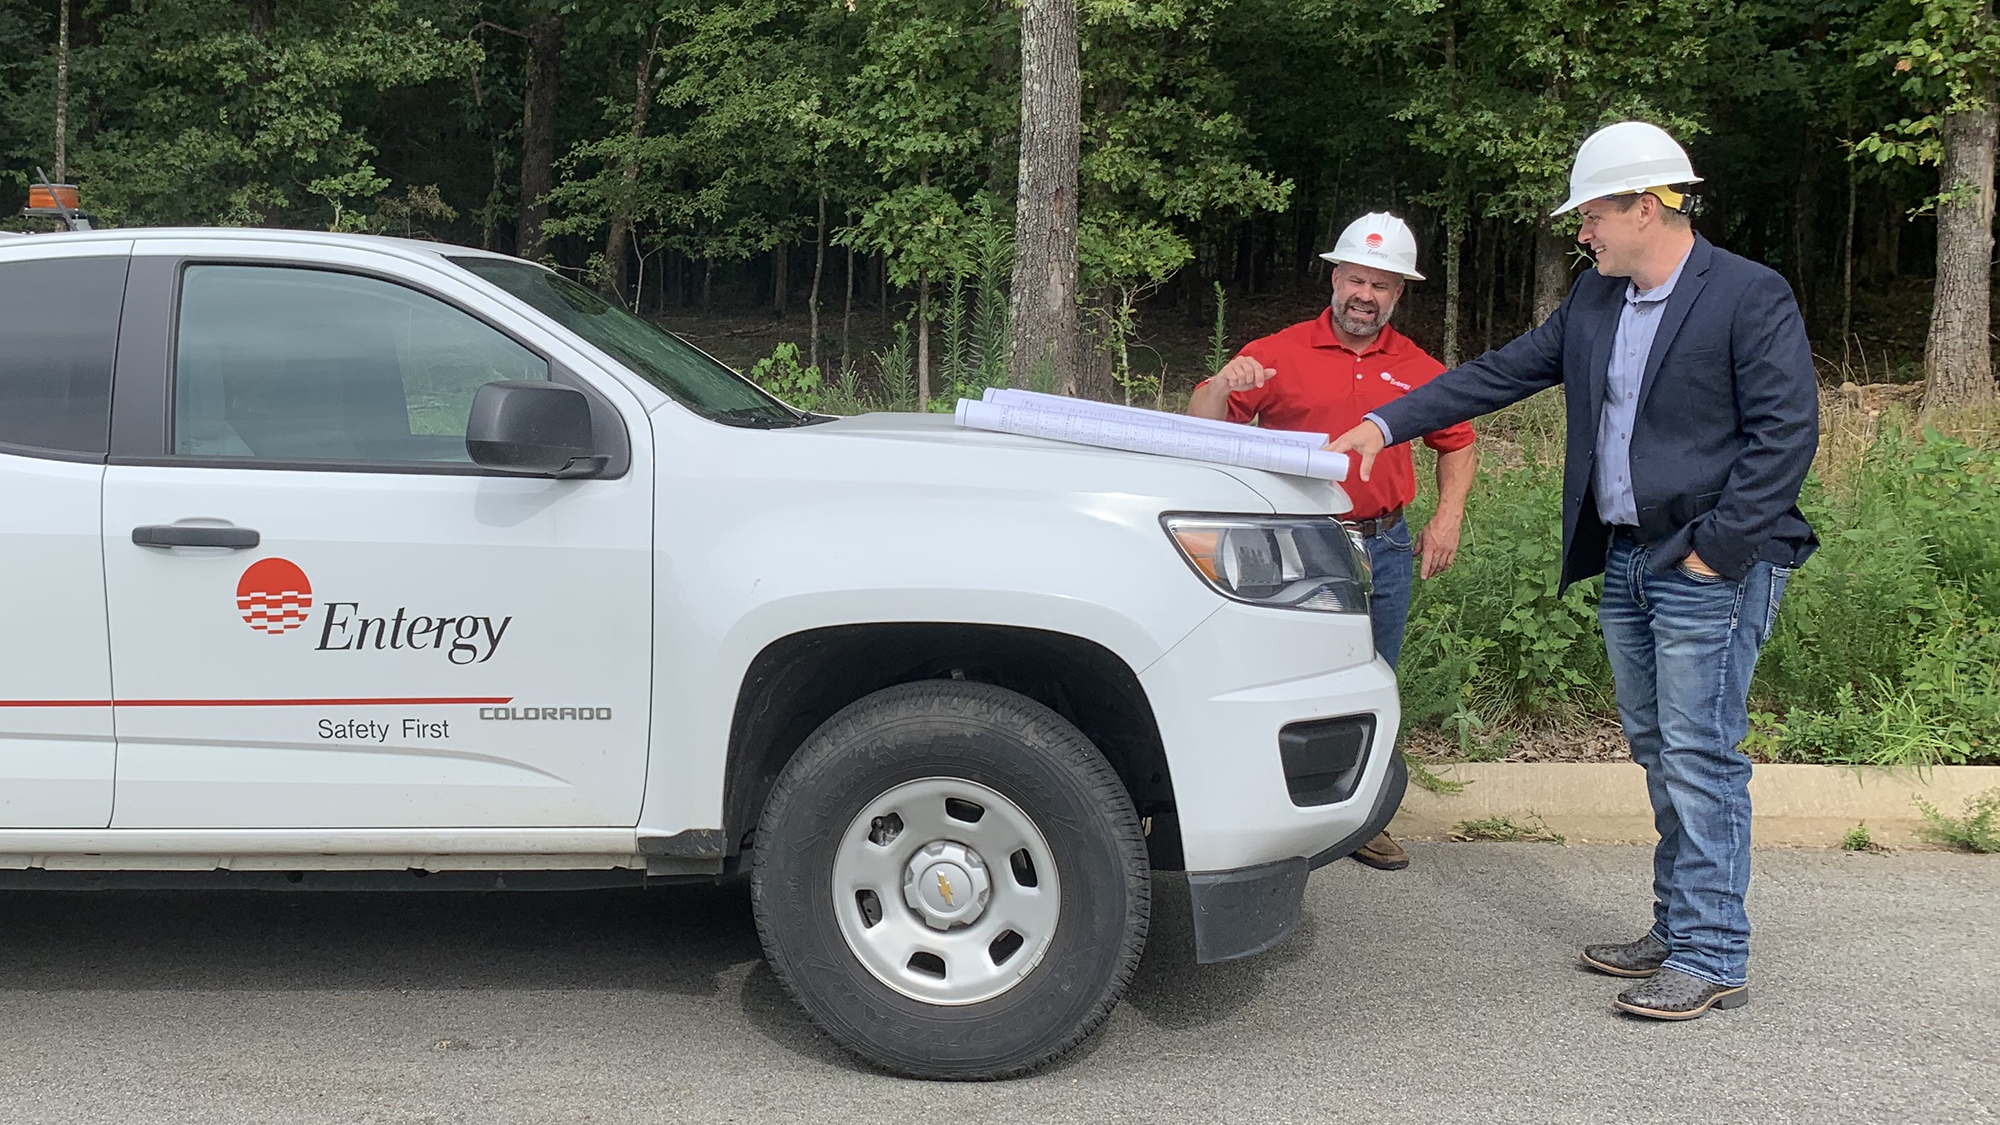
(62, 95)
(1454, 239)
(643, 87)
(1847, 265)
(1454, 244)
(538, 129)
(1524, 292)
(263, 18)
(1042, 327)
(1958, 365)
(1489, 277)
(781, 281)
(1321, 265)
(847, 312)
(1803, 210)
(1551, 269)
(819, 267)
(923, 341)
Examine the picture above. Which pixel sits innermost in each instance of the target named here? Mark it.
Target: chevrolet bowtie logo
(944, 888)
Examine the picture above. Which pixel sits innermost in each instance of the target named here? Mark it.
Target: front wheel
(952, 882)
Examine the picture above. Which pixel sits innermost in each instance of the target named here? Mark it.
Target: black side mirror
(532, 427)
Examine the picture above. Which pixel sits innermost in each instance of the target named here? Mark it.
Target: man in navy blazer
(1693, 416)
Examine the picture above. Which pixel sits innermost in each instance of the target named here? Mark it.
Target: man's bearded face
(1364, 298)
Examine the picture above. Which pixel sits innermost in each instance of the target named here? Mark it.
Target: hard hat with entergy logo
(1627, 157)
(1381, 240)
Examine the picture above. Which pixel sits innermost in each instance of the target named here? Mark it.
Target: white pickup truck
(336, 561)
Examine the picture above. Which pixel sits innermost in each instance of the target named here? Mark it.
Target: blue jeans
(1682, 649)
(1389, 555)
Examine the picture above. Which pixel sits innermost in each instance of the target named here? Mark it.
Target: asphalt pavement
(1445, 993)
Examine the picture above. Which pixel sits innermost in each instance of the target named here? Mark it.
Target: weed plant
(1506, 831)
(1218, 340)
(1976, 831)
(783, 375)
(897, 372)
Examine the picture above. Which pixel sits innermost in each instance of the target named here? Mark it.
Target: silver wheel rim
(946, 942)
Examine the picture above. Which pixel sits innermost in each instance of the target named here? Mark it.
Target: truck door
(58, 338)
(323, 615)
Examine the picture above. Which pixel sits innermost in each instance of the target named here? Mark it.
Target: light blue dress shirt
(1638, 323)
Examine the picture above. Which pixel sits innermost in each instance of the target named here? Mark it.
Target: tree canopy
(699, 142)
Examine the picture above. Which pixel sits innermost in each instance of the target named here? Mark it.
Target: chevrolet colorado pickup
(338, 561)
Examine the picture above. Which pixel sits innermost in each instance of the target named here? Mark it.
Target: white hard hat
(1626, 157)
(1381, 240)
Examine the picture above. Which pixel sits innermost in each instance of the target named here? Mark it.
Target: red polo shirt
(1322, 387)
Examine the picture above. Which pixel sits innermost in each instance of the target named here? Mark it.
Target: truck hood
(924, 445)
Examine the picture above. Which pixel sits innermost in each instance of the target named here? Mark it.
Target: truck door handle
(177, 535)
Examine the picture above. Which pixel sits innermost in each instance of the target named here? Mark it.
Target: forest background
(823, 193)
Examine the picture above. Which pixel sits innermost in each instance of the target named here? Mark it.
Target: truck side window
(290, 364)
(58, 338)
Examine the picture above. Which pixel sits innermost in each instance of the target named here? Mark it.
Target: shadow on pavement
(676, 939)
(1174, 992)
(770, 1010)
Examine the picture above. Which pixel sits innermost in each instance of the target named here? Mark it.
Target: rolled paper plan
(1062, 404)
(1252, 448)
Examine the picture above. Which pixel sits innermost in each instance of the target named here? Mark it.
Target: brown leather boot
(1383, 854)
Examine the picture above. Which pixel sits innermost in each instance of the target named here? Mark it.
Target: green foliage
(1126, 259)
(1526, 81)
(198, 119)
(1490, 640)
(927, 232)
(1978, 830)
(781, 374)
(1888, 648)
(1945, 53)
(1857, 839)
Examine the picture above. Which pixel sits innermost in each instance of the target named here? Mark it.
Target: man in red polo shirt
(1324, 376)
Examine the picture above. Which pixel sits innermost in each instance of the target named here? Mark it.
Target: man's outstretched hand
(1242, 373)
(1363, 442)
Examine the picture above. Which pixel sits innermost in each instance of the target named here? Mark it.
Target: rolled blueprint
(1062, 404)
(1147, 431)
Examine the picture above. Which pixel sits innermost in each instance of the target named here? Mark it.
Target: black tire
(1033, 757)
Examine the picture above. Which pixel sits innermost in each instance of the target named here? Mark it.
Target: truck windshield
(687, 374)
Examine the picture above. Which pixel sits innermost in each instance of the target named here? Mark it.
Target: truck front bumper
(1247, 911)
(1222, 698)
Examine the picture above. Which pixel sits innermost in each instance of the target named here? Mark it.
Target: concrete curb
(1605, 802)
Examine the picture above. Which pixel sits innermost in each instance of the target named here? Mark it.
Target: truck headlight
(1290, 562)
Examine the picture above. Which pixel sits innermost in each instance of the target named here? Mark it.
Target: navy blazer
(1728, 416)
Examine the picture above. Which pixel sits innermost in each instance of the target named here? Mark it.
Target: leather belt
(1374, 525)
